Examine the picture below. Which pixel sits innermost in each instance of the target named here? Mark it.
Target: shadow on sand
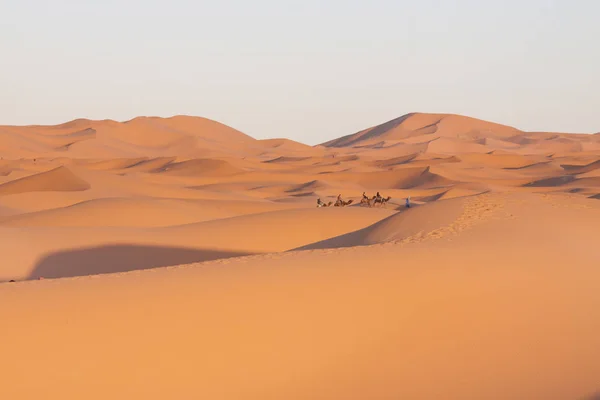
(595, 396)
(120, 258)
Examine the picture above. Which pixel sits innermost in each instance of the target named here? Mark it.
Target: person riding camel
(365, 200)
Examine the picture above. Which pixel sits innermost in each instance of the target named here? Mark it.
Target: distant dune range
(181, 258)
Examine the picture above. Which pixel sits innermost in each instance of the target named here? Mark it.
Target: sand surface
(180, 258)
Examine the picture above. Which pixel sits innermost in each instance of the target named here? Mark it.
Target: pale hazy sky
(309, 70)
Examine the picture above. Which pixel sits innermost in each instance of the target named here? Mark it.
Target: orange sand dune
(108, 185)
(285, 144)
(420, 124)
(14, 145)
(405, 178)
(56, 142)
(445, 145)
(591, 174)
(392, 162)
(200, 167)
(183, 258)
(581, 169)
(112, 164)
(60, 179)
(136, 212)
(124, 166)
(32, 248)
(501, 160)
(284, 159)
(144, 136)
(404, 224)
(267, 232)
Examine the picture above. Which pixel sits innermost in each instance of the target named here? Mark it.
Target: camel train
(338, 203)
(365, 201)
(377, 199)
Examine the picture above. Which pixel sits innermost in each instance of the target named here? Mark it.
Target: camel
(382, 200)
(341, 203)
(321, 204)
(366, 200)
(378, 199)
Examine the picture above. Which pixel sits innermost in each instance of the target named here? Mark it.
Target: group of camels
(365, 201)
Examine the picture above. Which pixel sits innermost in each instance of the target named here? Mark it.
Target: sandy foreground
(183, 259)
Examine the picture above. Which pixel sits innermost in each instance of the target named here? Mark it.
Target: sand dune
(286, 144)
(420, 124)
(269, 232)
(138, 212)
(257, 232)
(445, 145)
(200, 167)
(581, 169)
(60, 179)
(112, 164)
(140, 137)
(405, 178)
(284, 159)
(154, 164)
(182, 258)
(392, 162)
(401, 225)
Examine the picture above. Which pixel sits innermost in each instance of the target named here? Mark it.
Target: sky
(309, 70)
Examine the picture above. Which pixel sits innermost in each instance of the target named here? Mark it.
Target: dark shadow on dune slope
(581, 169)
(431, 198)
(366, 134)
(120, 258)
(527, 166)
(359, 237)
(550, 182)
(595, 396)
(305, 186)
(285, 159)
(352, 239)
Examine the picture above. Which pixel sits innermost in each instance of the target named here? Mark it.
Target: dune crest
(59, 179)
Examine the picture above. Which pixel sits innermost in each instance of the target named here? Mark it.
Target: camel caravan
(365, 201)
(377, 199)
(338, 203)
